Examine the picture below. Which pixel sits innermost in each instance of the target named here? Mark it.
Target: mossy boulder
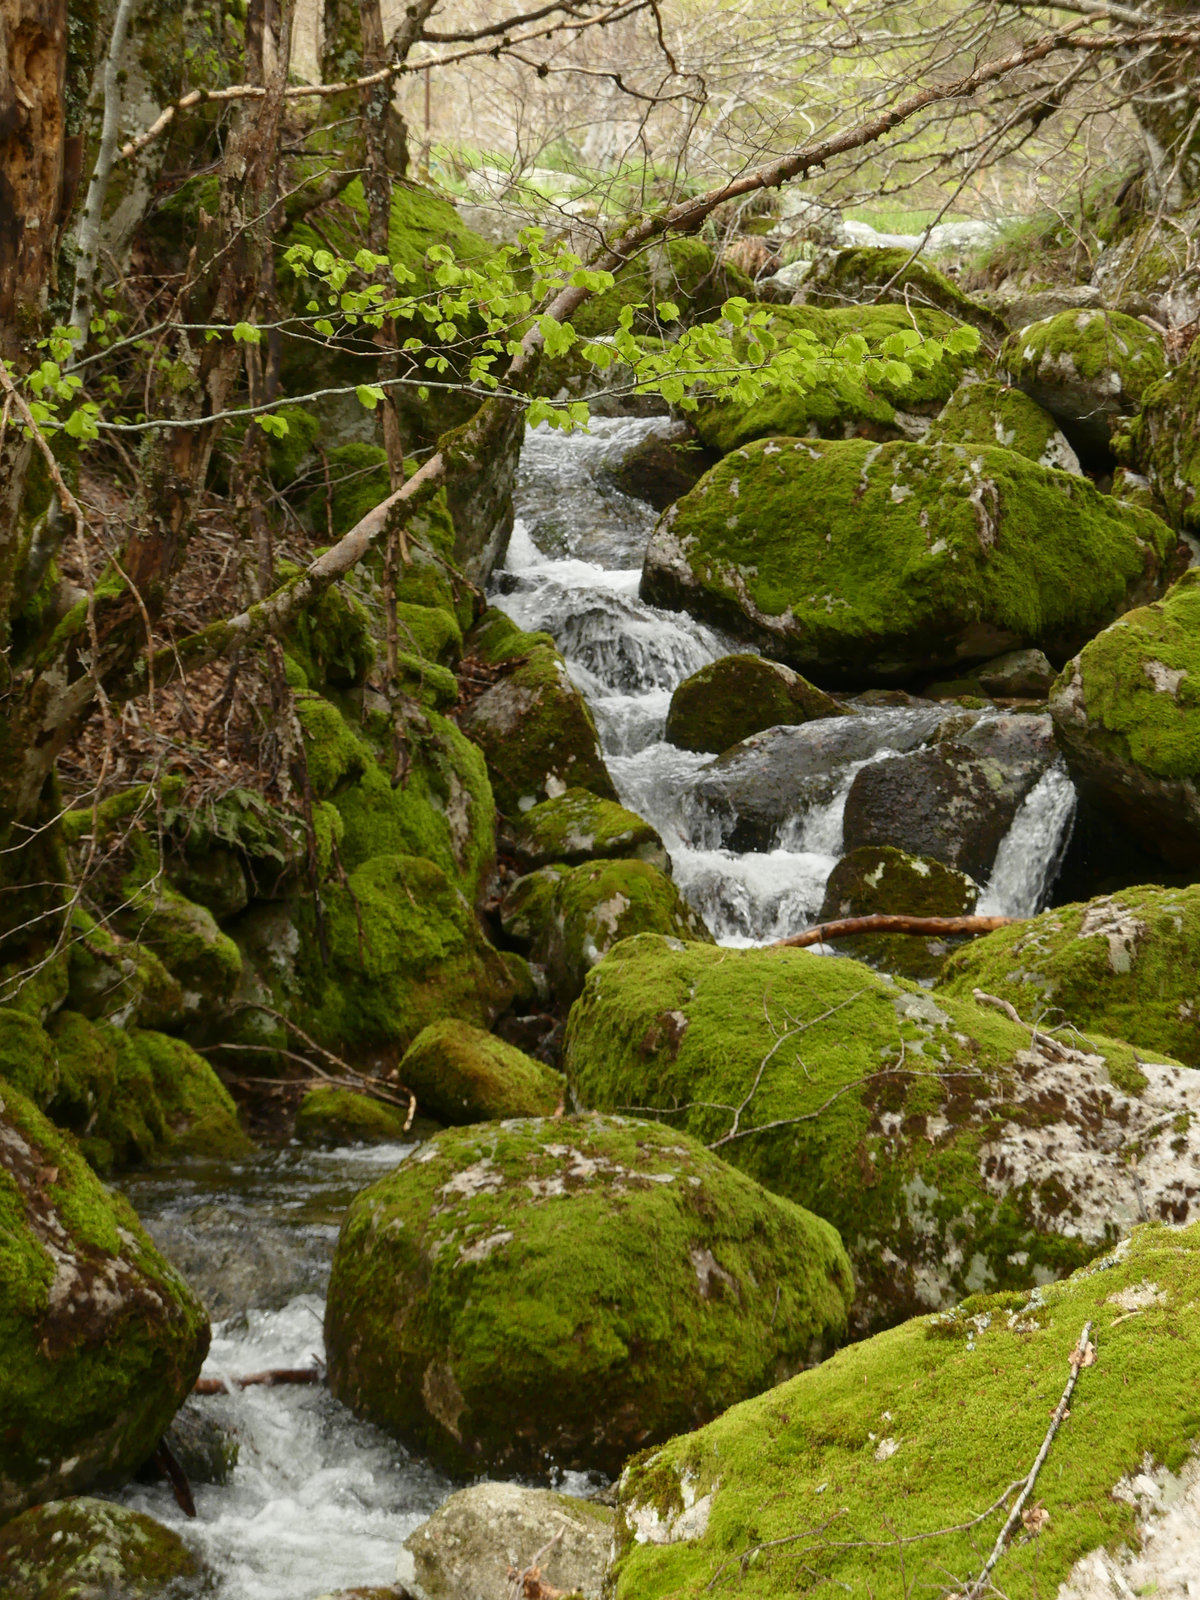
(120, 980)
(532, 724)
(1127, 715)
(461, 1074)
(854, 278)
(1017, 675)
(847, 406)
(739, 695)
(913, 1441)
(185, 937)
(850, 561)
(981, 1158)
(682, 272)
(878, 880)
(613, 1264)
(28, 1059)
(1089, 369)
(1125, 964)
(89, 1549)
(330, 1116)
(403, 948)
(332, 640)
(990, 412)
(101, 1338)
(579, 826)
(1165, 441)
(568, 918)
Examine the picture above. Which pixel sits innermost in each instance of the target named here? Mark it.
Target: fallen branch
(1083, 1355)
(847, 926)
(267, 1379)
(168, 1464)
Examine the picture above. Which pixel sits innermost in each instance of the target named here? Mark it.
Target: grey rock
(1019, 675)
(206, 1449)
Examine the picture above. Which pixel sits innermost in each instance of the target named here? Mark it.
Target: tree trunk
(1164, 89)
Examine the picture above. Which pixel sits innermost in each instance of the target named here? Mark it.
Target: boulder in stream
(954, 1149)
(851, 561)
(579, 826)
(89, 1549)
(331, 1116)
(740, 695)
(100, 1338)
(480, 1537)
(461, 1074)
(878, 880)
(891, 1469)
(1127, 715)
(531, 1295)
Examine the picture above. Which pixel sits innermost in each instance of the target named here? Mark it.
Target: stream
(318, 1500)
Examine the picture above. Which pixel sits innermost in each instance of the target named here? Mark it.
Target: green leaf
(277, 427)
(369, 395)
(246, 333)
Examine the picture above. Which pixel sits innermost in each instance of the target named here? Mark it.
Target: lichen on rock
(612, 1264)
(86, 1549)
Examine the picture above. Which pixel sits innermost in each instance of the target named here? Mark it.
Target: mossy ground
(100, 1338)
(845, 1477)
(872, 1108)
(612, 1265)
(461, 1074)
(849, 559)
(737, 696)
(1126, 965)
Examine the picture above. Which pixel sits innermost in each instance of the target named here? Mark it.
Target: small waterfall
(1032, 850)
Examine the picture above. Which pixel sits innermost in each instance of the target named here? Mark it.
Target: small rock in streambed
(473, 1544)
(461, 1074)
(330, 1116)
(206, 1449)
(740, 695)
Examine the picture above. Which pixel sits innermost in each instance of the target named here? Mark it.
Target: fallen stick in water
(891, 924)
(275, 1375)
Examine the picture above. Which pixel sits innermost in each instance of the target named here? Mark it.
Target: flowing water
(318, 1500)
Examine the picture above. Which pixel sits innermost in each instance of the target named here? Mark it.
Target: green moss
(102, 1339)
(429, 631)
(851, 560)
(533, 725)
(1125, 965)
(568, 918)
(1104, 345)
(966, 1418)
(877, 880)
(329, 1116)
(119, 979)
(186, 939)
(27, 1057)
(331, 640)
(433, 686)
(580, 826)
(334, 753)
(612, 1264)
(72, 1549)
(737, 696)
(858, 274)
(861, 1075)
(1165, 440)
(684, 272)
(461, 1074)
(990, 412)
(404, 950)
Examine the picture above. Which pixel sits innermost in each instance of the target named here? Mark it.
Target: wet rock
(747, 798)
(1089, 369)
(741, 695)
(955, 801)
(206, 1449)
(329, 1116)
(1126, 716)
(877, 880)
(660, 468)
(851, 561)
(990, 412)
(100, 1337)
(93, 1550)
(567, 918)
(614, 1265)
(953, 1151)
(579, 826)
(460, 1074)
(1126, 964)
(533, 724)
(925, 1429)
(1019, 675)
(479, 1536)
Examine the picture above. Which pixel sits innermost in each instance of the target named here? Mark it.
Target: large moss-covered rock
(981, 1158)
(1127, 716)
(990, 412)
(532, 724)
(331, 1116)
(120, 980)
(1089, 369)
(614, 1265)
(185, 937)
(580, 826)
(879, 880)
(890, 1470)
(858, 275)
(739, 695)
(476, 1537)
(89, 1549)
(100, 1338)
(849, 560)
(845, 406)
(462, 1074)
(568, 918)
(683, 272)
(1165, 440)
(1126, 964)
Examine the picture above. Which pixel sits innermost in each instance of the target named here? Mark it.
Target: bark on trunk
(1164, 89)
